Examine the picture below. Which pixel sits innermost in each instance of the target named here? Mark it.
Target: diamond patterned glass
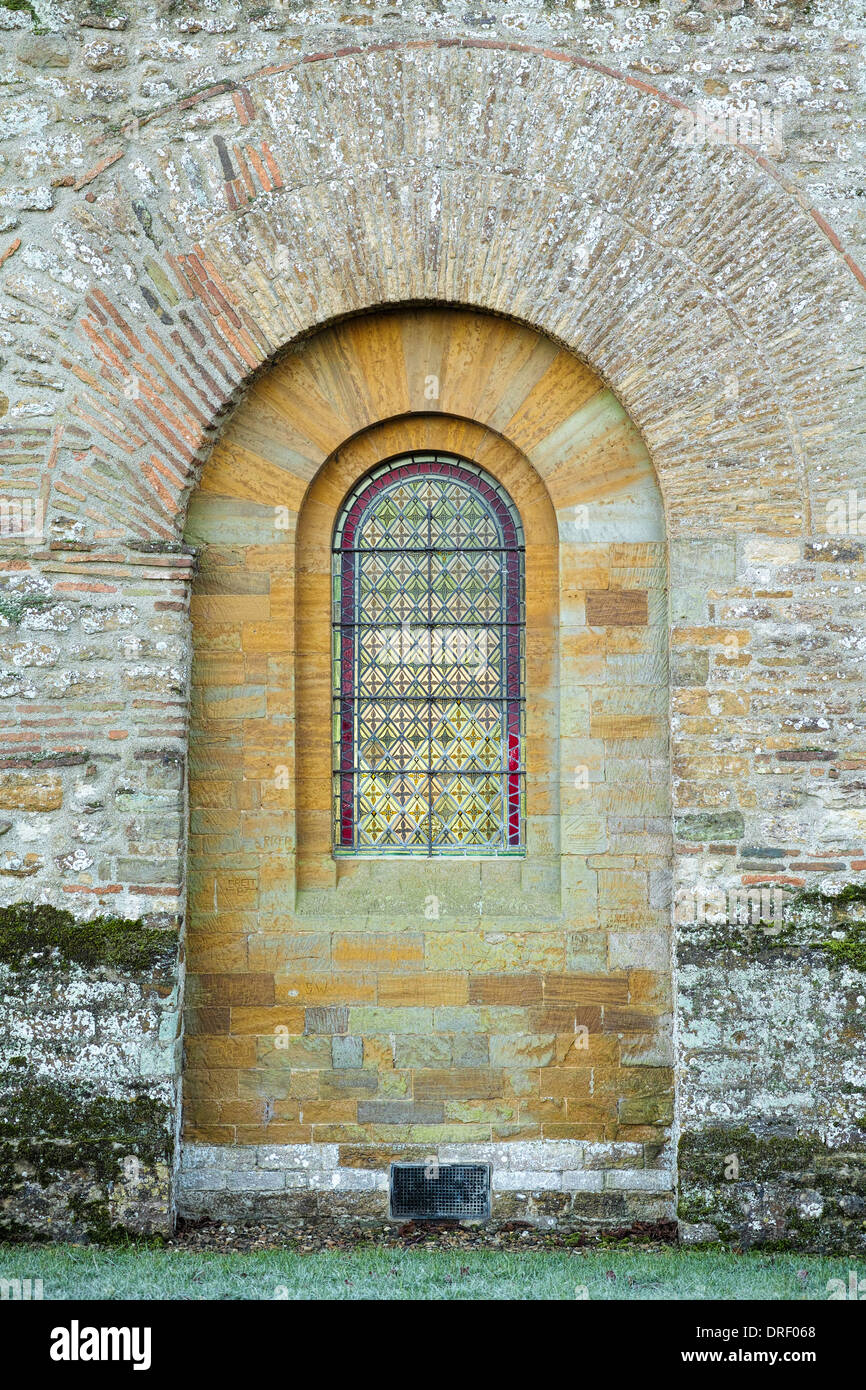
(428, 665)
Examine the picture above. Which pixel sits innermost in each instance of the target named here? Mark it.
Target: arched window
(428, 669)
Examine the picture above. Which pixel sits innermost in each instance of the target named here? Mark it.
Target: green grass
(375, 1273)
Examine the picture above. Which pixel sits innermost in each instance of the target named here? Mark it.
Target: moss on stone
(808, 918)
(23, 7)
(813, 904)
(36, 936)
(100, 1228)
(829, 909)
(851, 950)
(804, 1233)
(851, 893)
(48, 1129)
(13, 605)
(73, 1143)
(759, 1206)
(703, 1155)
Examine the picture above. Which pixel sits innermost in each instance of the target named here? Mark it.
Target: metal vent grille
(425, 1191)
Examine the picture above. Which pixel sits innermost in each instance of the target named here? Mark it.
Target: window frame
(346, 690)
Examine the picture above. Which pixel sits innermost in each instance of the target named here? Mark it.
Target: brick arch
(308, 192)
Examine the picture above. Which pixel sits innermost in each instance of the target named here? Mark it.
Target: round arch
(570, 204)
(548, 941)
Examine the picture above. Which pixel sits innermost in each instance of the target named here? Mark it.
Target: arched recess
(458, 1002)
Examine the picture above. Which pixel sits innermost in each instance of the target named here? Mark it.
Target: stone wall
(93, 795)
(188, 190)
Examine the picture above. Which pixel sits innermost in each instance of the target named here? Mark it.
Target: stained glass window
(428, 662)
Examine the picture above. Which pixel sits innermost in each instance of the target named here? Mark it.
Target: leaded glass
(428, 662)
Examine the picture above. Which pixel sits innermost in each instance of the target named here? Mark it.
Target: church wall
(669, 192)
